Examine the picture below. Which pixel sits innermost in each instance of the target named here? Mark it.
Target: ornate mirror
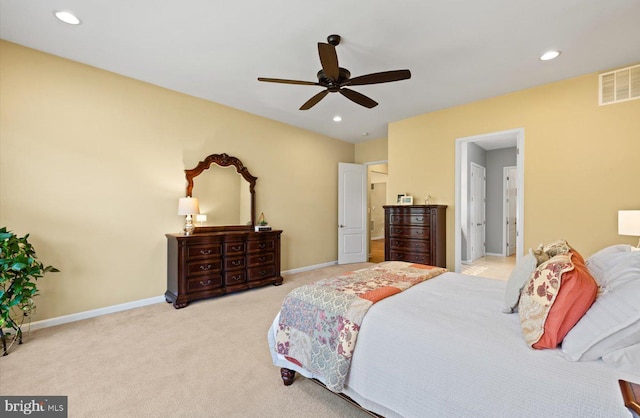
(226, 192)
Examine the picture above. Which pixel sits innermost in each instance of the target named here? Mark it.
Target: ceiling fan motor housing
(333, 85)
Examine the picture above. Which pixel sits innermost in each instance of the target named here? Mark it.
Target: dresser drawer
(231, 248)
(262, 272)
(409, 245)
(201, 284)
(260, 259)
(202, 267)
(409, 219)
(409, 231)
(261, 245)
(233, 263)
(234, 277)
(204, 250)
(420, 258)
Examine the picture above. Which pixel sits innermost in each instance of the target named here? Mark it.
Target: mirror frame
(224, 160)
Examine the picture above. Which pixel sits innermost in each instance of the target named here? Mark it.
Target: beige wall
(371, 151)
(91, 164)
(581, 160)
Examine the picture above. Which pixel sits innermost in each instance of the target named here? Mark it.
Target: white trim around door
(507, 138)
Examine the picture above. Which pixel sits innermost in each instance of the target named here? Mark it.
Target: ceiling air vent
(620, 85)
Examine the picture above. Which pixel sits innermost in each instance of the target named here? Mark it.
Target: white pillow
(600, 262)
(613, 321)
(517, 280)
(626, 359)
(617, 269)
(612, 249)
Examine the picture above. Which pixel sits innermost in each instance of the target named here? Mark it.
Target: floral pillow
(554, 248)
(557, 295)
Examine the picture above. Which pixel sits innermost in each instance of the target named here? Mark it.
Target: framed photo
(399, 198)
(406, 200)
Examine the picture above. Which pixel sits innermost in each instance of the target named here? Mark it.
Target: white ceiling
(458, 51)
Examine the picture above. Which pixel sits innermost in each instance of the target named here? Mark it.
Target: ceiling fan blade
(314, 100)
(280, 80)
(329, 60)
(376, 78)
(359, 98)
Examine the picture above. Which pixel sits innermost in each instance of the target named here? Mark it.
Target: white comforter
(445, 349)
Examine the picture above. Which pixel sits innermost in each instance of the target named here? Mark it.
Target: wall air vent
(620, 85)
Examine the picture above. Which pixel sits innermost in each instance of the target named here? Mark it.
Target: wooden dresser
(415, 233)
(210, 264)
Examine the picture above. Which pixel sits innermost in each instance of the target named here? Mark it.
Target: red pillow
(558, 294)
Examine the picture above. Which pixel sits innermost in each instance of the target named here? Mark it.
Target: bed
(445, 348)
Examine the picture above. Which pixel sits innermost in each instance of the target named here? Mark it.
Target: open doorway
(502, 155)
(377, 177)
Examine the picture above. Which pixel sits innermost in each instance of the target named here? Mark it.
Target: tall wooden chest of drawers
(415, 233)
(211, 264)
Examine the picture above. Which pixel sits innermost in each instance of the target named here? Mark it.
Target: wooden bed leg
(287, 376)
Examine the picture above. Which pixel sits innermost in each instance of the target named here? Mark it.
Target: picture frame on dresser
(406, 200)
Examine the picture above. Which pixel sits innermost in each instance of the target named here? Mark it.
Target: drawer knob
(419, 232)
(205, 252)
(262, 272)
(203, 283)
(207, 267)
(262, 258)
(236, 262)
(262, 245)
(236, 248)
(236, 278)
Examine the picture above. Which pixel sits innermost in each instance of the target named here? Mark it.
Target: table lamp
(629, 223)
(188, 206)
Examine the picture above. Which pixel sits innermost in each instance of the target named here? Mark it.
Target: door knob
(341, 226)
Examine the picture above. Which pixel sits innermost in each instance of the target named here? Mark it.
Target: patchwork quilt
(319, 322)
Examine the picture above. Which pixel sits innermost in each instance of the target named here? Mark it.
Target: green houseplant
(19, 270)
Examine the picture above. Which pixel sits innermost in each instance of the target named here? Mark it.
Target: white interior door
(352, 219)
(511, 205)
(477, 212)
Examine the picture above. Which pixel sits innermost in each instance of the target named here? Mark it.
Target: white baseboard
(65, 319)
(495, 254)
(308, 268)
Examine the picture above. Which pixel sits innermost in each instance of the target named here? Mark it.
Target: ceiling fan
(336, 79)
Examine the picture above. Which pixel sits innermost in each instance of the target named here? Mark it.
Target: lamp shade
(629, 222)
(188, 206)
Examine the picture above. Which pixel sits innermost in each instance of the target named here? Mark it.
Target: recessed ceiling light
(365, 134)
(67, 17)
(337, 118)
(549, 55)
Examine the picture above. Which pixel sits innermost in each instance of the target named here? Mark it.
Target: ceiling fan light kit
(335, 79)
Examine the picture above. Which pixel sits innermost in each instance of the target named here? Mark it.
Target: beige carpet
(209, 359)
